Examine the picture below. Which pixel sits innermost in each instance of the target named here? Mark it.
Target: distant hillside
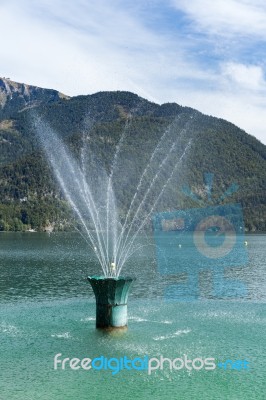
(30, 198)
(15, 97)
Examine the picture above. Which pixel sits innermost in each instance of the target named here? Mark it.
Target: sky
(205, 54)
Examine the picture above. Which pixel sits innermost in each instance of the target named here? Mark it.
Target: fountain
(89, 190)
(111, 300)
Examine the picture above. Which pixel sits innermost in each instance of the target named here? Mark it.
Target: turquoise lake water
(47, 307)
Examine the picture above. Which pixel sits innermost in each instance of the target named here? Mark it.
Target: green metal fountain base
(111, 300)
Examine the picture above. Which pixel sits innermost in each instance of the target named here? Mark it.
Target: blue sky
(200, 53)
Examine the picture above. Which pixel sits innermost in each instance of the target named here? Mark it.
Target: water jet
(91, 191)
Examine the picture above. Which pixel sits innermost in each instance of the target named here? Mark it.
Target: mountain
(15, 97)
(30, 197)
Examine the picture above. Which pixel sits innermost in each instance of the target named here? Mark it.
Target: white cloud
(226, 17)
(88, 47)
(236, 31)
(244, 76)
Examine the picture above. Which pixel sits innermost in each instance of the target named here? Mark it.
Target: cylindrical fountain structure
(111, 300)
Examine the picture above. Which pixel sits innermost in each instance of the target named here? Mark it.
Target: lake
(48, 307)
